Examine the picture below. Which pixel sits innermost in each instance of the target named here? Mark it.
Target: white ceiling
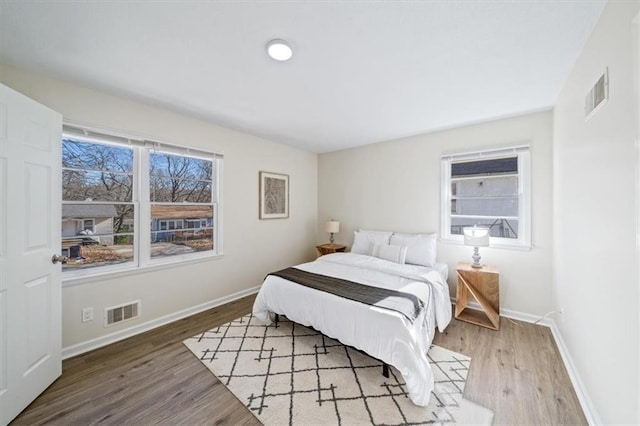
(362, 71)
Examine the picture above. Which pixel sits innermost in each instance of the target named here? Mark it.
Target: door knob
(62, 259)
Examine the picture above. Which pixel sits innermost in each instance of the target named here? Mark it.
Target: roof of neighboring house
(78, 211)
(180, 212)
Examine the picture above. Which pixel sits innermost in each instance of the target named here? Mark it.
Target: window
(97, 186)
(489, 188)
(131, 203)
(182, 191)
(89, 226)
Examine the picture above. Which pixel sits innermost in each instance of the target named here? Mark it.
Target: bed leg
(385, 370)
(277, 319)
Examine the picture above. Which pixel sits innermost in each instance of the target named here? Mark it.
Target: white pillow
(391, 253)
(363, 241)
(421, 248)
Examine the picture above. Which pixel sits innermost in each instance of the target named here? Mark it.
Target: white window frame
(142, 261)
(523, 152)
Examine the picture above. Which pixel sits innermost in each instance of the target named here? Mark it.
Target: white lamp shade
(332, 226)
(477, 236)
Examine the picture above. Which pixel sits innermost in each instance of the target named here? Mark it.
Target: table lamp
(476, 236)
(332, 227)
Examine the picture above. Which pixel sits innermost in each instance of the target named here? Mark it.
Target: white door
(30, 289)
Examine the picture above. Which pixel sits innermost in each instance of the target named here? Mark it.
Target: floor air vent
(597, 96)
(116, 314)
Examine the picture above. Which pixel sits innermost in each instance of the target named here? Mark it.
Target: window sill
(513, 246)
(74, 280)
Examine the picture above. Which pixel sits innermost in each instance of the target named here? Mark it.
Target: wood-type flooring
(152, 378)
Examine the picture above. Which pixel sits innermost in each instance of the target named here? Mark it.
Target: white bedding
(384, 334)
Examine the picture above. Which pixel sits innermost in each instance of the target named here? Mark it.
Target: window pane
(110, 242)
(497, 207)
(499, 227)
(180, 190)
(94, 156)
(493, 186)
(170, 165)
(493, 166)
(182, 236)
(96, 186)
(175, 178)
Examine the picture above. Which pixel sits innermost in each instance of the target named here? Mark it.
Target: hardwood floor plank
(517, 372)
(153, 378)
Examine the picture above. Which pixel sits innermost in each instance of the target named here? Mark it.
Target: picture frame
(274, 195)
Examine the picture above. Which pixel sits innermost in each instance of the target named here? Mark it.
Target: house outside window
(490, 189)
(131, 204)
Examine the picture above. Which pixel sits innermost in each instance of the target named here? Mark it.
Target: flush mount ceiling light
(280, 50)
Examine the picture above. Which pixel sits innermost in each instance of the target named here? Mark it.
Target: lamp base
(476, 259)
(331, 238)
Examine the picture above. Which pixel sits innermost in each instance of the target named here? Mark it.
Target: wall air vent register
(116, 314)
(597, 96)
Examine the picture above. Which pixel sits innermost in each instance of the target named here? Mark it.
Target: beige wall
(395, 186)
(252, 247)
(595, 214)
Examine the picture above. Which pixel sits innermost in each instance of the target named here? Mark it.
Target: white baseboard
(581, 391)
(583, 396)
(521, 316)
(89, 345)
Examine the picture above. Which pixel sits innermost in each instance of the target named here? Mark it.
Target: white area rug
(294, 375)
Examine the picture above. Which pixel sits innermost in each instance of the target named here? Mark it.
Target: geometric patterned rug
(291, 374)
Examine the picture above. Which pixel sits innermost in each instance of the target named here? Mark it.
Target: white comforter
(384, 334)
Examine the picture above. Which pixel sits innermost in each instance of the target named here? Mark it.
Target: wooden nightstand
(481, 284)
(330, 248)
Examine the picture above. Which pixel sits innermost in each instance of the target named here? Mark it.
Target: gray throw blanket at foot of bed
(407, 304)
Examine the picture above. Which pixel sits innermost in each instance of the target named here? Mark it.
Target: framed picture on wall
(274, 195)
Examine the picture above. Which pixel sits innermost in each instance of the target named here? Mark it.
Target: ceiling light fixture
(279, 49)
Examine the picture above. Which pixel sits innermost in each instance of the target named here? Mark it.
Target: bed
(381, 333)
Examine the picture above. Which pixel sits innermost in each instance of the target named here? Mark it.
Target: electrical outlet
(87, 314)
